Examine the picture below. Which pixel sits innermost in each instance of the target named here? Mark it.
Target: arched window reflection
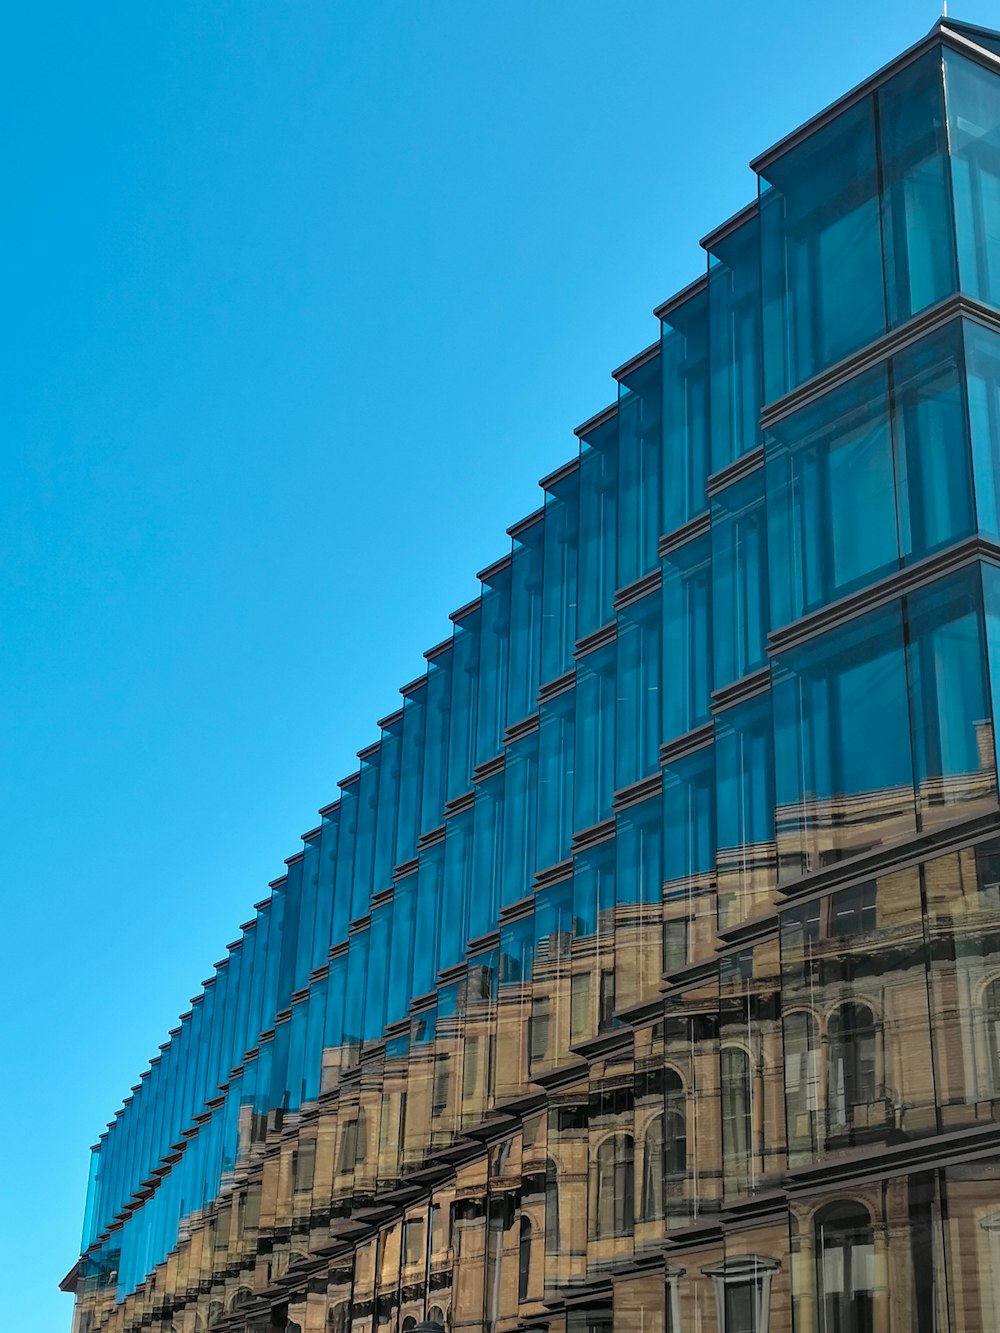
(844, 1269)
(991, 1023)
(524, 1260)
(674, 1129)
(652, 1170)
(551, 1208)
(243, 1296)
(736, 1116)
(801, 1075)
(338, 1320)
(616, 1186)
(851, 1062)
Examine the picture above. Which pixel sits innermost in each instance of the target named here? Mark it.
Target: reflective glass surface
(687, 637)
(735, 371)
(739, 580)
(684, 357)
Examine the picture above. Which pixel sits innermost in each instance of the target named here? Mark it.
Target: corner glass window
(982, 365)
(919, 236)
(974, 132)
(821, 251)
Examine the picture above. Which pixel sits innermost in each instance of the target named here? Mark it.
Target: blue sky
(302, 298)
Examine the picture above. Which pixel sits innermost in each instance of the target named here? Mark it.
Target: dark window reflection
(845, 1264)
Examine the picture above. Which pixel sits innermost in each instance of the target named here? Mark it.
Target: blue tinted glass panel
(255, 1017)
(598, 509)
(689, 914)
(430, 880)
(525, 622)
(294, 1077)
(462, 725)
(289, 938)
(550, 1008)
(434, 782)
(844, 774)
(380, 941)
(687, 637)
(744, 811)
(454, 916)
(735, 344)
(517, 946)
(739, 579)
(974, 133)
(364, 847)
(328, 917)
(954, 760)
(686, 463)
(559, 575)
(555, 779)
(520, 811)
(639, 458)
(931, 439)
(333, 1032)
(408, 824)
(637, 740)
(387, 805)
(821, 256)
(982, 360)
(595, 737)
(991, 604)
(487, 846)
(831, 508)
(354, 997)
(919, 239)
(494, 646)
(315, 1026)
(638, 912)
(592, 984)
(639, 851)
(404, 918)
(345, 851)
(307, 915)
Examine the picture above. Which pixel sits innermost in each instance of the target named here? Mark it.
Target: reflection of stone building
(647, 975)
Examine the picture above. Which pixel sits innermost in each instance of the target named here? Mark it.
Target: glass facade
(646, 974)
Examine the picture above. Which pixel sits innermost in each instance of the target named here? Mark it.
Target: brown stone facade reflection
(806, 1128)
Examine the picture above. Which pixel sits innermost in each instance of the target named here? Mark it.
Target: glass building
(646, 974)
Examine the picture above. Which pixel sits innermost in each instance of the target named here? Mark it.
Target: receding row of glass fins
(751, 635)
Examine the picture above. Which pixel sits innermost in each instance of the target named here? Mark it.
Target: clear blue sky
(301, 300)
